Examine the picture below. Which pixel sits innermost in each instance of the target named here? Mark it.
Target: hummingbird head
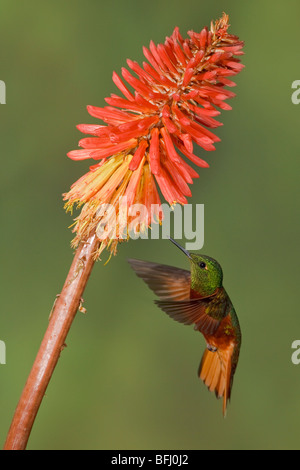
(206, 272)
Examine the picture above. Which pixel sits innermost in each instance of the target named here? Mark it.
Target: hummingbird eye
(202, 265)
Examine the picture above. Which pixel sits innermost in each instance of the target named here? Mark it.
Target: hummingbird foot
(211, 348)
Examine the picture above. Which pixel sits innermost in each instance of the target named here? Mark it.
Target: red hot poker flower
(149, 134)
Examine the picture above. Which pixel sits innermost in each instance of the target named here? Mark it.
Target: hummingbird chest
(224, 335)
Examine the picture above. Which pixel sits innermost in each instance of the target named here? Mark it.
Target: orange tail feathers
(216, 372)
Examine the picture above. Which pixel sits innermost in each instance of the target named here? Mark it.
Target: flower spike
(167, 106)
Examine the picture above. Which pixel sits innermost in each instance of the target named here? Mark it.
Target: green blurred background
(127, 379)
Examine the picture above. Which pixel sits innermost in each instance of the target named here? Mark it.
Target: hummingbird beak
(180, 248)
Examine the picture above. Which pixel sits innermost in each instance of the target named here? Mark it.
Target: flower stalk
(53, 343)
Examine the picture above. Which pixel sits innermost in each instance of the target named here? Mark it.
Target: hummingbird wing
(191, 311)
(167, 282)
(172, 285)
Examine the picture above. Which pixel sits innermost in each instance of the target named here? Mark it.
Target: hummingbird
(197, 297)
